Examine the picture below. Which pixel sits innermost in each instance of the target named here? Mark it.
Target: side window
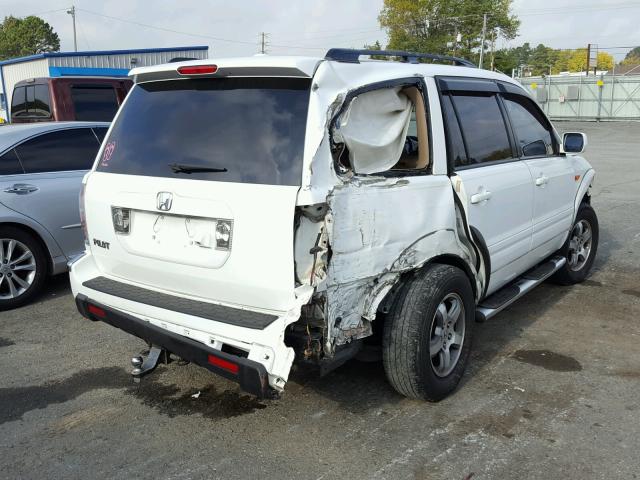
(531, 129)
(100, 132)
(483, 128)
(382, 131)
(64, 150)
(457, 154)
(94, 102)
(10, 164)
(19, 102)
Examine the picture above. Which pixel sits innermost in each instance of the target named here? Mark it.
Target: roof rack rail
(348, 55)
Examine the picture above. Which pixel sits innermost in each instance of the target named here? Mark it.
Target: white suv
(254, 211)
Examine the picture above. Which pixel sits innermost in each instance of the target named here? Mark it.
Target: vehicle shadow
(55, 286)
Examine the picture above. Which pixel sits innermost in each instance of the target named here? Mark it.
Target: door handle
(480, 197)
(541, 181)
(21, 189)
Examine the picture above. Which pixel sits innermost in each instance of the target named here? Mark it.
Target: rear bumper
(250, 375)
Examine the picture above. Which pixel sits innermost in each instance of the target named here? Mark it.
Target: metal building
(105, 63)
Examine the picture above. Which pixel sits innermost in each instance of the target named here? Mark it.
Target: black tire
(569, 274)
(410, 328)
(39, 258)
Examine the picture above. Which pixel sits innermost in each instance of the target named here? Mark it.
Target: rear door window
(94, 102)
(63, 150)
(249, 130)
(10, 164)
(457, 153)
(483, 128)
(100, 132)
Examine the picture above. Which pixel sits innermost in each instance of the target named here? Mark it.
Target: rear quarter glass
(252, 127)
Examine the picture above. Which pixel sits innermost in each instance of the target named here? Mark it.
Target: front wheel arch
(30, 231)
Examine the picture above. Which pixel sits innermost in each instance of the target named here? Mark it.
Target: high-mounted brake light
(224, 364)
(198, 70)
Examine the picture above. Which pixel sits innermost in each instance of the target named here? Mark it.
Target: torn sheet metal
(379, 231)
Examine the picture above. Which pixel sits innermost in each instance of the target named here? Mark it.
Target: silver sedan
(41, 170)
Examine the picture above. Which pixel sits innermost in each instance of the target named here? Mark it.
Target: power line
(163, 29)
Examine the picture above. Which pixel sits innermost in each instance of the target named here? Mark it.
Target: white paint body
(377, 229)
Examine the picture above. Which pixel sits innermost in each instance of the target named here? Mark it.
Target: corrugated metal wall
(605, 97)
(20, 71)
(124, 60)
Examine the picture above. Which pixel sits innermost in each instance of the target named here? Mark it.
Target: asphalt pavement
(552, 392)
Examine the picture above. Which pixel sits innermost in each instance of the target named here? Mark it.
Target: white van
(248, 212)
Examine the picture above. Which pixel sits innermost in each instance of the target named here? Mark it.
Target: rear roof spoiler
(223, 72)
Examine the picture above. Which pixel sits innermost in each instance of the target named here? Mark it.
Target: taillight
(83, 216)
(223, 364)
(224, 232)
(121, 218)
(198, 70)
(96, 311)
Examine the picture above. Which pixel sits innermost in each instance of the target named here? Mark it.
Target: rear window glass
(252, 128)
(94, 103)
(31, 101)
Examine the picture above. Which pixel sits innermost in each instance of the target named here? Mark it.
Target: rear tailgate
(176, 250)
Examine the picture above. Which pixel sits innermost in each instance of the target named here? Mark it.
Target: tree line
(454, 27)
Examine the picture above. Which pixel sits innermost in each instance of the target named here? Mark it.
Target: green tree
(576, 61)
(632, 58)
(26, 36)
(433, 25)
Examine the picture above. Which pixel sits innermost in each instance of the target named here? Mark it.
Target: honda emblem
(164, 200)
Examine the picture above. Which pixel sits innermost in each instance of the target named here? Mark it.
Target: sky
(306, 27)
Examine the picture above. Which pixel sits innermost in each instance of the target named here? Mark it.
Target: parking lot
(553, 390)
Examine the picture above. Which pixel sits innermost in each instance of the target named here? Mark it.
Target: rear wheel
(22, 267)
(428, 332)
(580, 248)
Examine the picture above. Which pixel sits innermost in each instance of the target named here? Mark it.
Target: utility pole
(263, 42)
(484, 36)
(72, 12)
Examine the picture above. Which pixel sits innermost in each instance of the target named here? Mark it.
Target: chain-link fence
(601, 97)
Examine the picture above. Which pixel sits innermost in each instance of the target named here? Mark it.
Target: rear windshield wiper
(182, 168)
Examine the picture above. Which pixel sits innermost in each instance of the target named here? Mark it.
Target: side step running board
(504, 297)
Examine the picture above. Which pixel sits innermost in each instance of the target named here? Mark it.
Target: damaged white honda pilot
(245, 213)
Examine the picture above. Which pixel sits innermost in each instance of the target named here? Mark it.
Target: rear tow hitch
(142, 367)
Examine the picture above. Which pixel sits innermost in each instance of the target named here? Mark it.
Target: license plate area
(174, 238)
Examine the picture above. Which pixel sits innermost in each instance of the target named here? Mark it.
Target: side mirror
(574, 142)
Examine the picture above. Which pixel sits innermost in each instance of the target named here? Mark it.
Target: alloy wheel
(447, 335)
(17, 268)
(579, 245)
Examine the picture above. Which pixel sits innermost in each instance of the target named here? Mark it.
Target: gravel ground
(552, 390)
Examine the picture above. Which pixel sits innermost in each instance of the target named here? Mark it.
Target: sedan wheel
(17, 268)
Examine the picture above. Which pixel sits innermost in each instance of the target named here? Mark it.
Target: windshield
(248, 130)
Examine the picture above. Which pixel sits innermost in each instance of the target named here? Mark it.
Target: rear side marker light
(223, 364)
(198, 70)
(98, 312)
